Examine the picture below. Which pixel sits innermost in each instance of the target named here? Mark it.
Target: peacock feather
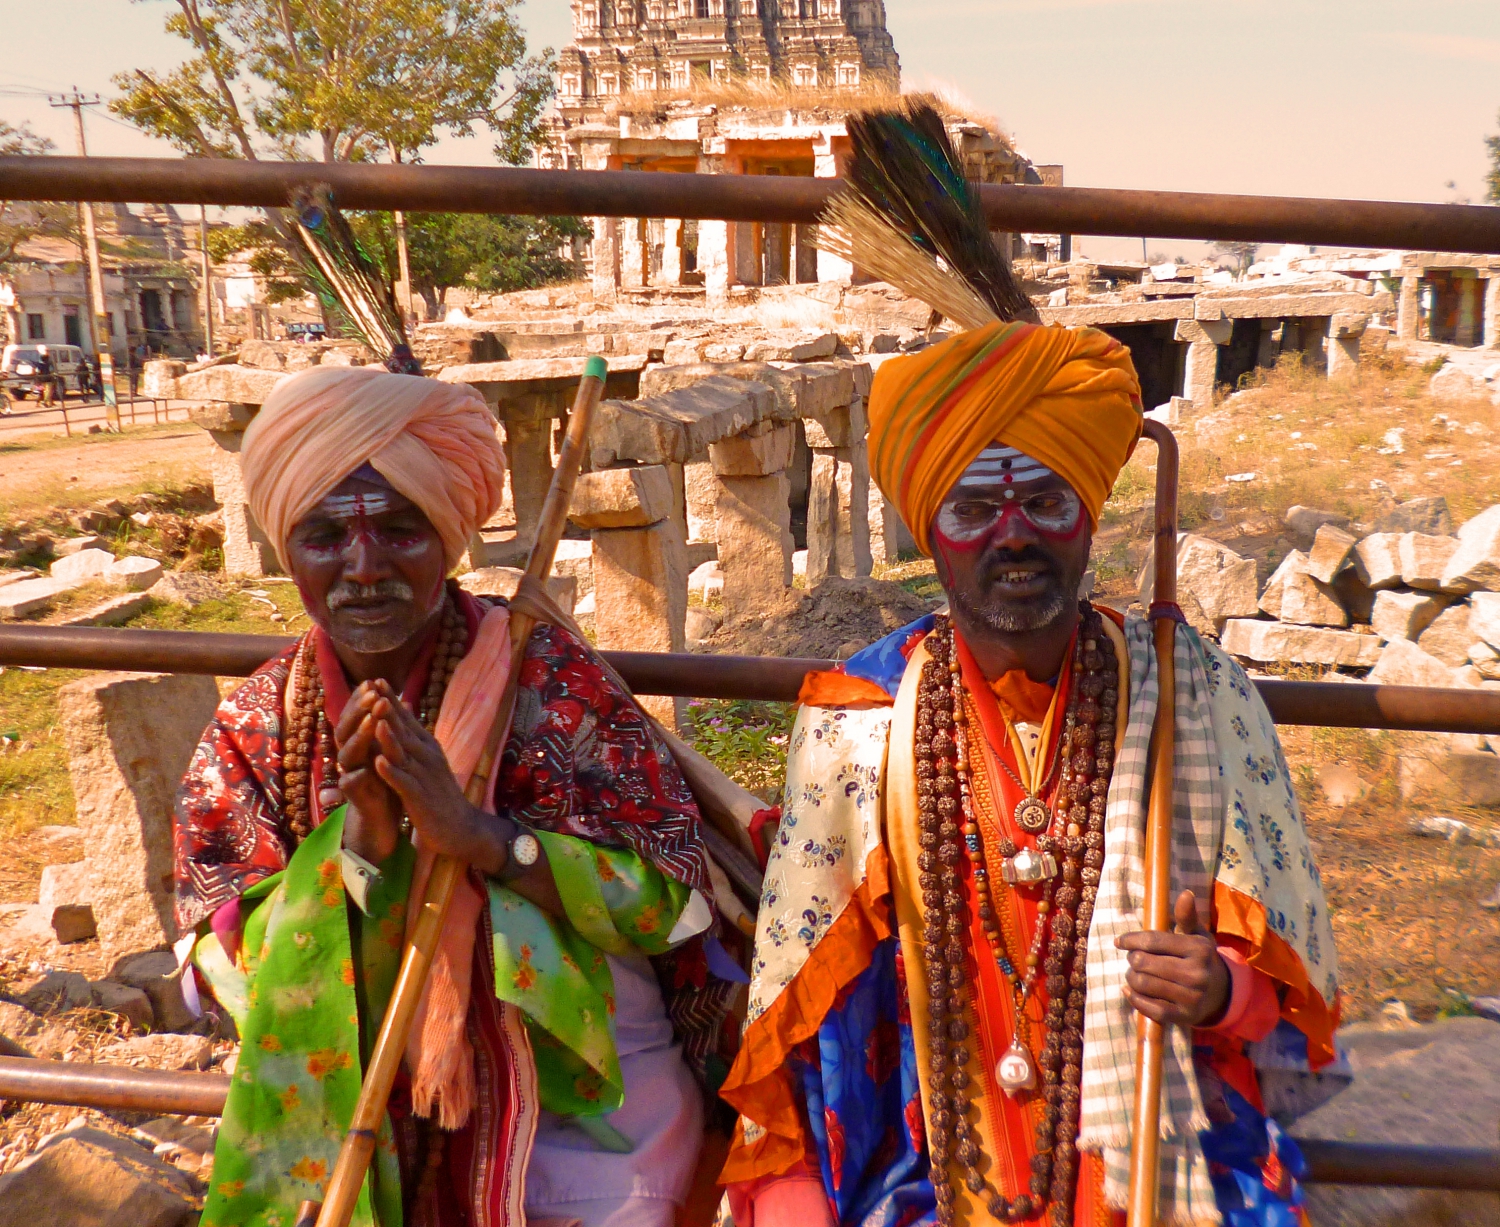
(912, 217)
(351, 285)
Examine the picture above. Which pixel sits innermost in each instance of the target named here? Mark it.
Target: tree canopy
(489, 254)
(21, 220)
(341, 80)
(1492, 177)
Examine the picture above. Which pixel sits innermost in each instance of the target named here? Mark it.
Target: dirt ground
(44, 472)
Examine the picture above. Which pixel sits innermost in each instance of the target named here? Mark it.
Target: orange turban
(434, 442)
(1067, 397)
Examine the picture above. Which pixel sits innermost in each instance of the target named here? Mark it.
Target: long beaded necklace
(949, 830)
(310, 735)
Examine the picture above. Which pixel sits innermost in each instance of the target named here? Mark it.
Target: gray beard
(1013, 617)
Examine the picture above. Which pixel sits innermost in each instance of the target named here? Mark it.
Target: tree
(22, 220)
(360, 79)
(490, 254)
(1241, 254)
(1492, 178)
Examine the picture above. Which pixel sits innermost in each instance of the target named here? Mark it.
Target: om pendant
(1015, 1071)
(1028, 866)
(1031, 815)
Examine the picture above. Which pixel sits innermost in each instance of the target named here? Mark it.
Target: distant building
(151, 289)
(668, 46)
(742, 87)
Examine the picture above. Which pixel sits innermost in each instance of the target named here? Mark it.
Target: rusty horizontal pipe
(112, 1087)
(1332, 705)
(1412, 1167)
(766, 198)
(120, 1088)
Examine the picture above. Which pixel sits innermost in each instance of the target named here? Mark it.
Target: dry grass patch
(1323, 443)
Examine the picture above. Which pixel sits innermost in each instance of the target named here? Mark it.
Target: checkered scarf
(1109, 1029)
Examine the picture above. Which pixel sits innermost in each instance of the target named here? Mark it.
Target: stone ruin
(1407, 600)
(692, 463)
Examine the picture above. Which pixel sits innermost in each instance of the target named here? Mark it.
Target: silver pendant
(1028, 866)
(1031, 815)
(1015, 1071)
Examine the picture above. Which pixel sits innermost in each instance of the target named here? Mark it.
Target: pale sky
(1363, 98)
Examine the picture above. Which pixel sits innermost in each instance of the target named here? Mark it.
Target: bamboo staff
(390, 1046)
(1145, 1133)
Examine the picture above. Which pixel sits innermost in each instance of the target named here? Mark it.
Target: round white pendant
(1016, 1071)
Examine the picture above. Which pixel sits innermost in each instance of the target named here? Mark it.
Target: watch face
(524, 849)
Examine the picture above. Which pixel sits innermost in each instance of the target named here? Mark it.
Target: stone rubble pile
(1415, 602)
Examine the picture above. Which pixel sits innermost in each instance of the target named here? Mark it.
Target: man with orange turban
(544, 1076)
(950, 952)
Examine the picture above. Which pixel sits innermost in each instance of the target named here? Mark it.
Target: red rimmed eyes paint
(1003, 483)
(342, 518)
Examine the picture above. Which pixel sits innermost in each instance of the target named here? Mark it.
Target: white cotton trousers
(572, 1177)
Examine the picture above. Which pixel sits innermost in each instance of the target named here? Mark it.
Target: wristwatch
(522, 853)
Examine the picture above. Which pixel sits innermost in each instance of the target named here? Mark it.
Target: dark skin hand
(370, 567)
(1178, 978)
(1010, 558)
(389, 765)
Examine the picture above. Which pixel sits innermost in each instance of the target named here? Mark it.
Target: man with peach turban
(950, 954)
(551, 1069)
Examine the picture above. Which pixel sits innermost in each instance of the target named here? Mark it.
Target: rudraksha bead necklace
(949, 830)
(309, 732)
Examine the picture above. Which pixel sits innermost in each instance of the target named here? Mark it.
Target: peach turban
(434, 442)
(1067, 397)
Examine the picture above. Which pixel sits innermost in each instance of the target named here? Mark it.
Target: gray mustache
(344, 593)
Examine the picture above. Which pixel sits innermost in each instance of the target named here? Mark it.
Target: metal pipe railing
(116, 1088)
(766, 198)
(1334, 705)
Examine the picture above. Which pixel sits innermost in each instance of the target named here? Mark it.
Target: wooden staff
(390, 1046)
(1151, 1038)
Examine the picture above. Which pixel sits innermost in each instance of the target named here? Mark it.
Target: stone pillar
(701, 490)
(714, 257)
(1467, 325)
(247, 550)
(822, 517)
(639, 566)
(671, 251)
(826, 166)
(606, 258)
(1344, 333)
(889, 536)
(1409, 307)
(528, 448)
(1491, 337)
(1202, 367)
(1265, 353)
(854, 509)
(745, 253)
(130, 737)
(634, 254)
(754, 518)
(838, 515)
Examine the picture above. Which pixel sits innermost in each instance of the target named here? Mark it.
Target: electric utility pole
(208, 282)
(99, 317)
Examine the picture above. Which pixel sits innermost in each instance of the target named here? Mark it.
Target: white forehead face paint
(1056, 512)
(1005, 463)
(364, 504)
